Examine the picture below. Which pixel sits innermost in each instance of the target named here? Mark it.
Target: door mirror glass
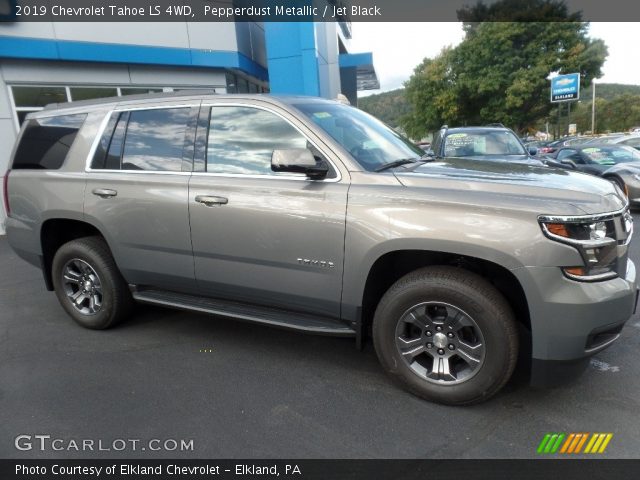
(298, 160)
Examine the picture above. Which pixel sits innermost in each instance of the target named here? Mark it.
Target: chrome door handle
(210, 200)
(104, 192)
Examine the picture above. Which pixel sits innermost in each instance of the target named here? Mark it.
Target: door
(265, 238)
(137, 194)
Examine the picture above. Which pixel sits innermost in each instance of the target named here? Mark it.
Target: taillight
(5, 192)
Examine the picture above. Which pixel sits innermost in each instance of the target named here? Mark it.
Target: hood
(525, 159)
(536, 188)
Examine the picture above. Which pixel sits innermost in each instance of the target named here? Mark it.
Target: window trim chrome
(103, 126)
(201, 103)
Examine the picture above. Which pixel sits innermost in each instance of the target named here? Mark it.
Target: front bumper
(571, 321)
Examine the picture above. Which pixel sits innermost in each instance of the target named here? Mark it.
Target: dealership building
(52, 62)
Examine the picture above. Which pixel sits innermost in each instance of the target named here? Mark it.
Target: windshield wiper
(396, 163)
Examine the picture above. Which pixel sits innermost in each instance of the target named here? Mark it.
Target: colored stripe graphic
(581, 443)
(543, 443)
(598, 443)
(607, 439)
(573, 443)
(551, 442)
(567, 443)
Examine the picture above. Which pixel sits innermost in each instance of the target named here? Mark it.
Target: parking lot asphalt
(245, 391)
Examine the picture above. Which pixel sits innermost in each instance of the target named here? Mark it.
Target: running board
(266, 315)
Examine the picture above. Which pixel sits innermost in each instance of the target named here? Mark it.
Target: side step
(251, 313)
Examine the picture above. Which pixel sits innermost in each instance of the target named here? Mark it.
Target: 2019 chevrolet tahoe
(309, 214)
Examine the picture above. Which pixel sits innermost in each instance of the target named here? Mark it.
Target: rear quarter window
(45, 142)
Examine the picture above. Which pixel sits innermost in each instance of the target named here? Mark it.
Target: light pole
(593, 107)
(550, 77)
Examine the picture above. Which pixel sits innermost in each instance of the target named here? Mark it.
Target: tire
(438, 317)
(89, 267)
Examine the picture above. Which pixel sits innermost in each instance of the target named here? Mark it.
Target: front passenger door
(272, 239)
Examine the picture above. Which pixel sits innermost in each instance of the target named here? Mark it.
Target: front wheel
(447, 335)
(89, 285)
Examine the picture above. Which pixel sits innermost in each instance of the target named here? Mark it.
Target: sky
(399, 47)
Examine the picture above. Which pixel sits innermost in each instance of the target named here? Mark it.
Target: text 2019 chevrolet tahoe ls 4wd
(311, 215)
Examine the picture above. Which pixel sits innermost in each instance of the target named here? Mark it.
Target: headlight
(594, 238)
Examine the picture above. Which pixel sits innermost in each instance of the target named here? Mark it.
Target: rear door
(137, 193)
(273, 239)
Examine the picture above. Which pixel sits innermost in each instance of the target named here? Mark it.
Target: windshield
(611, 155)
(369, 141)
(482, 142)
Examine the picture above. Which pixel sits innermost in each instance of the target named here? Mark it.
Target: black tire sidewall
(84, 250)
(493, 318)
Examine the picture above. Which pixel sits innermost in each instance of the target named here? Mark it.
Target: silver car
(311, 215)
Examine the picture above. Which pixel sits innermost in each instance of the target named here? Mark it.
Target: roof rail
(495, 125)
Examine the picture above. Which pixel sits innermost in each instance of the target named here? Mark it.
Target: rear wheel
(89, 285)
(447, 335)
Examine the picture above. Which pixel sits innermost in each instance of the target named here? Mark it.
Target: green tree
(619, 114)
(515, 11)
(498, 73)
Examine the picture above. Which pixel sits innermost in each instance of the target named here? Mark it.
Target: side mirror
(298, 160)
(533, 151)
(568, 163)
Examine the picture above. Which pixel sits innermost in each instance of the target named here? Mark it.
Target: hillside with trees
(617, 108)
(389, 107)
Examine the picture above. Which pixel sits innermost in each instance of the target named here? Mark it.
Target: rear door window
(155, 139)
(45, 142)
(147, 140)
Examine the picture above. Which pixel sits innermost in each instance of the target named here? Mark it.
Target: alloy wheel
(82, 286)
(440, 343)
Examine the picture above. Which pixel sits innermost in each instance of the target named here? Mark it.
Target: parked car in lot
(618, 163)
(562, 142)
(492, 142)
(537, 144)
(605, 139)
(311, 215)
(628, 141)
(489, 143)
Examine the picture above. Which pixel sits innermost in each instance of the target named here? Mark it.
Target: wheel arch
(392, 265)
(55, 232)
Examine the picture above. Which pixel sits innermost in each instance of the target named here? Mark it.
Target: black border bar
(289, 10)
(535, 469)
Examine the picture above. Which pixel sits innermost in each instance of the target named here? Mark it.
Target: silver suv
(311, 215)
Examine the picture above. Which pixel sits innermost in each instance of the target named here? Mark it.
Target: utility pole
(593, 107)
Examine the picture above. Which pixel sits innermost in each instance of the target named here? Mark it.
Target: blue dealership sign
(565, 88)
